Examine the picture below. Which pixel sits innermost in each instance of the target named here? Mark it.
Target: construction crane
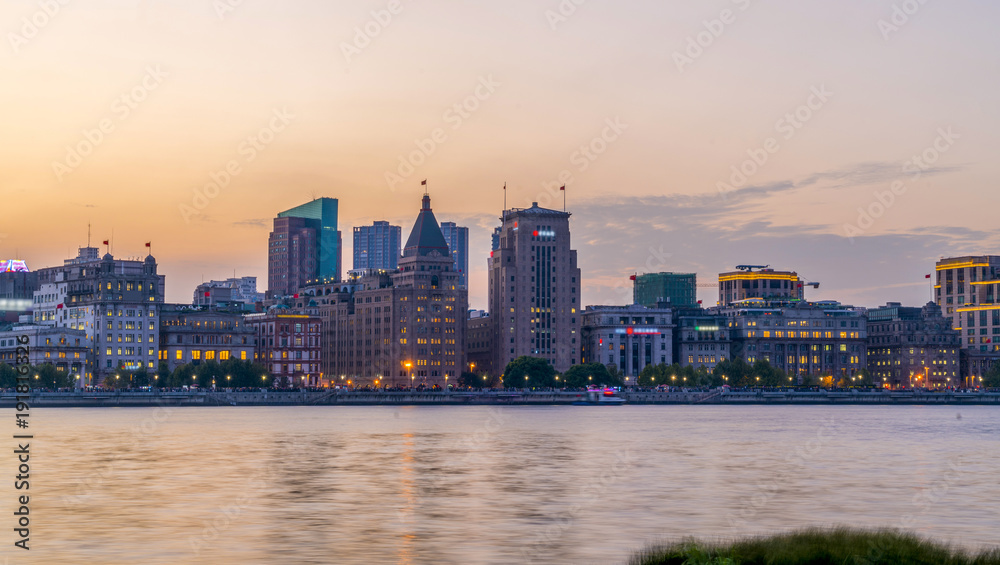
(750, 268)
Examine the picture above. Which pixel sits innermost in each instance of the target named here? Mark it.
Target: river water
(254, 485)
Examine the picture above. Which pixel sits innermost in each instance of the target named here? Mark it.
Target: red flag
(563, 187)
(296, 296)
(106, 242)
(59, 307)
(632, 278)
(207, 293)
(927, 276)
(148, 243)
(423, 182)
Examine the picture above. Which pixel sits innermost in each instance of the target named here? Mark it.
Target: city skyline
(649, 200)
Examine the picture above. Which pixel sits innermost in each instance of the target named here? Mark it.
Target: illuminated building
(822, 339)
(679, 289)
(766, 283)
(115, 301)
(968, 291)
(701, 339)
(404, 327)
(912, 346)
(68, 350)
(288, 345)
(190, 336)
(17, 286)
(377, 246)
(628, 337)
(534, 289)
(479, 340)
(304, 245)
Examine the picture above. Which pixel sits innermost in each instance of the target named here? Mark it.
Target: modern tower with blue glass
(305, 245)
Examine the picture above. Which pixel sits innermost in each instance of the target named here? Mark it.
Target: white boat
(597, 396)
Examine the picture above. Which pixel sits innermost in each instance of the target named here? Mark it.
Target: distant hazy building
(968, 291)
(534, 289)
(458, 243)
(115, 301)
(189, 336)
(242, 290)
(822, 339)
(377, 247)
(679, 289)
(765, 283)
(912, 346)
(304, 245)
(628, 337)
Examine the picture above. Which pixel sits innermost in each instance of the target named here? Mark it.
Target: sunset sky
(183, 86)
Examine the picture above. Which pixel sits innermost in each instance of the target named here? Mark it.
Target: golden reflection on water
(458, 485)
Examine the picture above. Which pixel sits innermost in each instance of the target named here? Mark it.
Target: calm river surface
(488, 485)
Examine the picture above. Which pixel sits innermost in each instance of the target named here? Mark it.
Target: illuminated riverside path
(493, 397)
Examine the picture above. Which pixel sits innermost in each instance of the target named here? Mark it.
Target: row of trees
(232, 373)
(535, 372)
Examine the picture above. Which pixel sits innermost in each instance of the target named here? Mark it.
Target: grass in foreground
(840, 546)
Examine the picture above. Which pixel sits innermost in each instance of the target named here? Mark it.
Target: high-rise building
(458, 243)
(534, 289)
(629, 337)
(968, 291)
(679, 289)
(116, 302)
(377, 247)
(478, 340)
(912, 347)
(765, 283)
(398, 328)
(304, 245)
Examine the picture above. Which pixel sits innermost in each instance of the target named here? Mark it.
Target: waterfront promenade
(490, 397)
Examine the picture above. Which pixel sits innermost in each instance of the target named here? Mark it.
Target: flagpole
(504, 214)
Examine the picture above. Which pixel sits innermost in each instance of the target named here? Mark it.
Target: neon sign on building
(13, 266)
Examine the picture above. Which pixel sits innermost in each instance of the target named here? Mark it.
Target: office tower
(304, 245)
(377, 247)
(534, 289)
(679, 289)
(458, 243)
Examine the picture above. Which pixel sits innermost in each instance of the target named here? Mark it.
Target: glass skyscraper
(377, 246)
(458, 243)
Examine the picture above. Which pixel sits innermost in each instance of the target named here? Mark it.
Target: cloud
(253, 223)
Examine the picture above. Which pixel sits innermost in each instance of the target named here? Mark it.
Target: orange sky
(181, 90)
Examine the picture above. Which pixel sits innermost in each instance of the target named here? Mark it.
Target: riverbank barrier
(489, 397)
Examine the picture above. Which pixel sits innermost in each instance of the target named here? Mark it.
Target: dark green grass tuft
(839, 546)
